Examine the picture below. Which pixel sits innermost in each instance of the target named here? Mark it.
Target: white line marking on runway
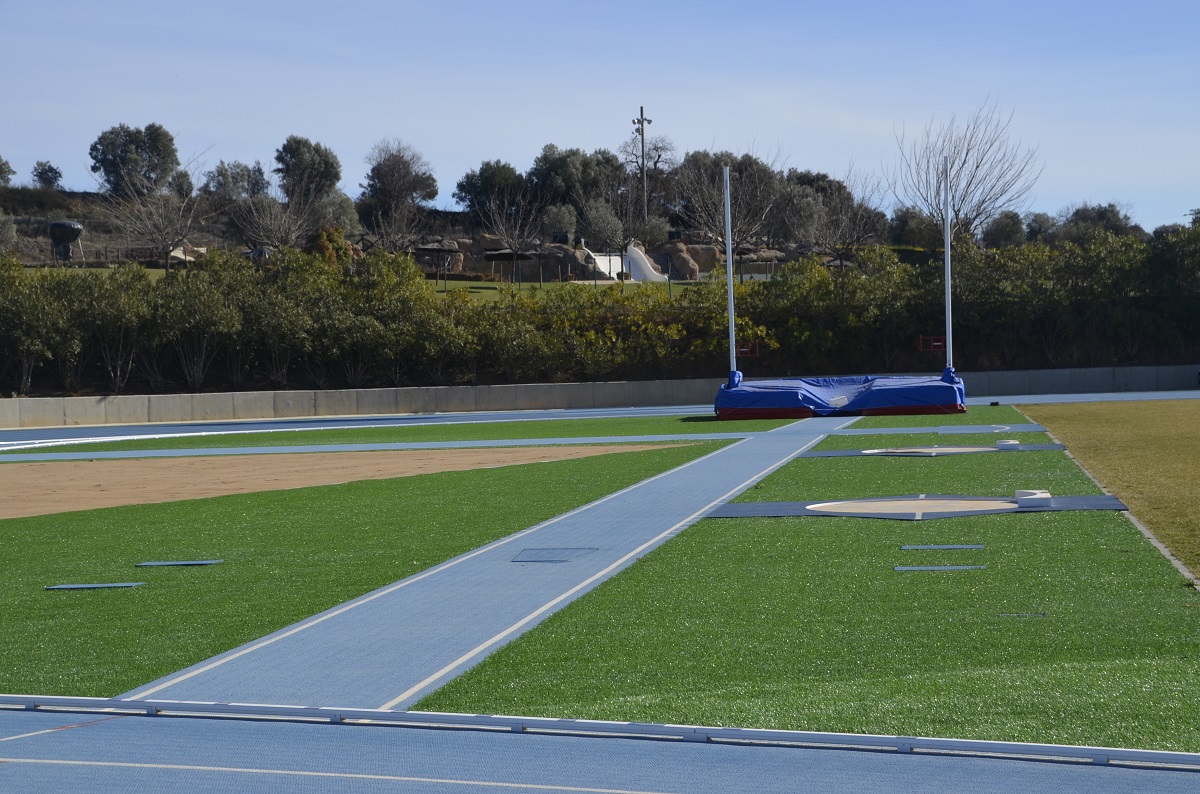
(477, 650)
(336, 775)
(408, 581)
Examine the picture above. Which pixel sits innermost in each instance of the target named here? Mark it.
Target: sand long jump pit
(34, 489)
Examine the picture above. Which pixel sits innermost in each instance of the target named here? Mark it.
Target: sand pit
(33, 489)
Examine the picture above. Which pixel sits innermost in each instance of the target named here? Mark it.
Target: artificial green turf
(991, 474)
(975, 415)
(893, 440)
(459, 431)
(287, 555)
(1076, 632)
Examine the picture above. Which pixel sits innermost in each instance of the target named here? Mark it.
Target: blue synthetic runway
(387, 649)
(43, 753)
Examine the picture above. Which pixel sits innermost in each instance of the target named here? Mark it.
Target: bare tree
(754, 189)
(399, 184)
(989, 172)
(267, 221)
(514, 216)
(156, 215)
(850, 215)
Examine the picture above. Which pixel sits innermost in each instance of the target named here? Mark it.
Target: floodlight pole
(946, 231)
(729, 280)
(640, 122)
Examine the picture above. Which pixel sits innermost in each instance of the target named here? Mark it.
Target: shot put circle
(884, 507)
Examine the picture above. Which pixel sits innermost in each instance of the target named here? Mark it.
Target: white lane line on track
(409, 581)
(483, 646)
(333, 775)
(59, 728)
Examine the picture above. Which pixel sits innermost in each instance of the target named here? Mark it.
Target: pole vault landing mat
(930, 452)
(918, 507)
(857, 395)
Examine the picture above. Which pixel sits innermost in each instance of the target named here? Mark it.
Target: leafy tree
(796, 213)
(911, 227)
(337, 210)
(194, 317)
(1039, 227)
(481, 187)
(132, 161)
(571, 176)
(118, 314)
(1006, 230)
(229, 182)
(307, 171)
(560, 219)
(6, 173)
(29, 318)
(601, 229)
(8, 232)
(989, 172)
(399, 185)
(1080, 223)
(46, 176)
(653, 231)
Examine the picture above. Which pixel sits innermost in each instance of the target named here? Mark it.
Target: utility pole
(640, 129)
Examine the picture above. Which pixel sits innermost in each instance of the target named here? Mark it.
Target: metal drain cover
(551, 555)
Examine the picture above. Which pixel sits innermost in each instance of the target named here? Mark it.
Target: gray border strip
(1102, 756)
(934, 452)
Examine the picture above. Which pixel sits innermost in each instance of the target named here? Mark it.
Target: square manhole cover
(551, 555)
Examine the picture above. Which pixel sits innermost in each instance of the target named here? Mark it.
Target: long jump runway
(390, 647)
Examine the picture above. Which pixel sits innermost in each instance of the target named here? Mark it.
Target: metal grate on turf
(940, 568)
(551, 555)
(173, 563)
(953, 547)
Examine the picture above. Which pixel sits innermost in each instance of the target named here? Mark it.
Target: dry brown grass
(1147, 453)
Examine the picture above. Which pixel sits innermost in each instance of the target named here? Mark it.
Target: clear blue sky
(1107, 92)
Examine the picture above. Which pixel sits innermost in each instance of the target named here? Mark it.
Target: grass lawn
(288, 555)
(1076, 632)
(460, 431)
(1147, 453)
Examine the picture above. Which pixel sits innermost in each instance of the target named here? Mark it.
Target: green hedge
(328, 321)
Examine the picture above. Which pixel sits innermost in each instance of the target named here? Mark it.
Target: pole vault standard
(734, 375)
(946, 231)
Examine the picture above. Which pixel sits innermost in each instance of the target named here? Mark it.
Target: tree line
(641, 191)
(332, 319)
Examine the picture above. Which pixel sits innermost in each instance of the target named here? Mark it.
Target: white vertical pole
(729, 280)
(946, 229)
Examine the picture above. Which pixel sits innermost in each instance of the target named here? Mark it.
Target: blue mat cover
(855, 395)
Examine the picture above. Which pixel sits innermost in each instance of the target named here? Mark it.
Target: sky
(1107, 93)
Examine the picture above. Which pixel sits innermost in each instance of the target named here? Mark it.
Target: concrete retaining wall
(1099, 380)
(141, 408)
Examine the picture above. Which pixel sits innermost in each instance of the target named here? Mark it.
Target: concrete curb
(141, 408)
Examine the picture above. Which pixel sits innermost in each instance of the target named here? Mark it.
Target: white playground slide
(633, 262)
